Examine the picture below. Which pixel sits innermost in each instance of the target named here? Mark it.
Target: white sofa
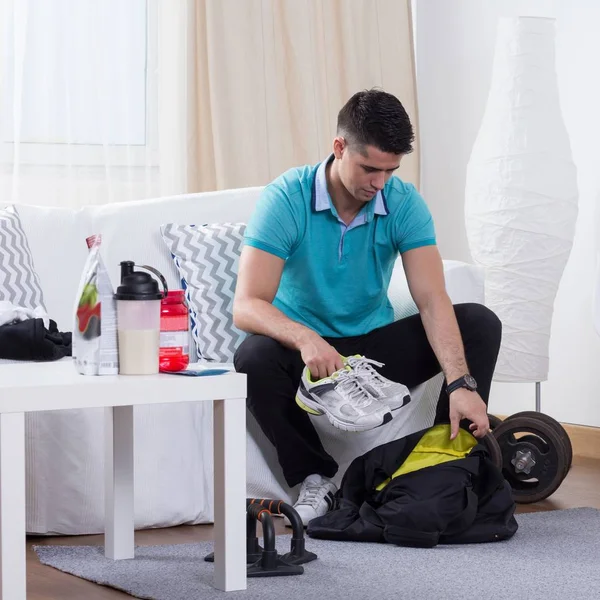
(173, 444)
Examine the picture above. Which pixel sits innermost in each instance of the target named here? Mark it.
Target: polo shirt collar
(322, 201)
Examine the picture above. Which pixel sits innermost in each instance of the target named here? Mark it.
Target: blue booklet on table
(204, 369)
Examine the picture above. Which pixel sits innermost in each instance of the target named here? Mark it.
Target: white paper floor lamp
(521, 196)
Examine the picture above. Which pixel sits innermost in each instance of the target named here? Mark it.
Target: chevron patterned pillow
(207, 258)
(19, 283)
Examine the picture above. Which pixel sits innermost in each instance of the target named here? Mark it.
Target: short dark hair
(376, 118)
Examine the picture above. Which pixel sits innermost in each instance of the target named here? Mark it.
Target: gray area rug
(554, 555)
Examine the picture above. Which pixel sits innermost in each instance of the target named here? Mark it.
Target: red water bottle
(174, 332)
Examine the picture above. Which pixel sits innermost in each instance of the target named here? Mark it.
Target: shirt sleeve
(414, 225)
(273, 226)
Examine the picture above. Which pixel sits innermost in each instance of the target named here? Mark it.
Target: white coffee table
(32, 387)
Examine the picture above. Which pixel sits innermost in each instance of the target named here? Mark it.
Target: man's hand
(321, 358)
(465, 404)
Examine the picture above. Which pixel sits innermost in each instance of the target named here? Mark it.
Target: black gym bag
(421, 491)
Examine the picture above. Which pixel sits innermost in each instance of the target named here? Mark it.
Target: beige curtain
(250, 88)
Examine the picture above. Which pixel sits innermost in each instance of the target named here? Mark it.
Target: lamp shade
(521, 195)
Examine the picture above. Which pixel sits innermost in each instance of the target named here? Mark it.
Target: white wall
(455, 43)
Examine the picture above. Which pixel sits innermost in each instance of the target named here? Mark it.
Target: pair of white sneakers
(355, 398)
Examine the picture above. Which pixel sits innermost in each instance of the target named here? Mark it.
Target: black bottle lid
(137, 285)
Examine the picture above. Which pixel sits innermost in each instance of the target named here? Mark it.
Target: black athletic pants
(274, 373)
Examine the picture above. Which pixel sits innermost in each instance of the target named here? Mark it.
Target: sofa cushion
(19, 282)
(207, 258)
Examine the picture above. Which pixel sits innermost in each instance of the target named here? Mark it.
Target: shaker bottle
(138, 319)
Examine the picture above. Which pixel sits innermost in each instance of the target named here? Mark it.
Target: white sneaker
(392, 394)
(316, 498)
(342, 397)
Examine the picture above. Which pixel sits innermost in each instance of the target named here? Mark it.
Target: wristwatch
(466, 381)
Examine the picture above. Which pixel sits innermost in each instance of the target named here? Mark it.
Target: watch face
(470, 381)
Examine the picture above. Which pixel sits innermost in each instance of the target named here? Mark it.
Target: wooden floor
(580, 488)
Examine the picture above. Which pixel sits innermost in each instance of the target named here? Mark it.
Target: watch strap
(455, 385)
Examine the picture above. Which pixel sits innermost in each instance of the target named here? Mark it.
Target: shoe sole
(304, 405)
(312, 407)
(405, 401)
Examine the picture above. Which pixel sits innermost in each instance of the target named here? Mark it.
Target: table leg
(118, 485)
(230, 493)
(13, 580)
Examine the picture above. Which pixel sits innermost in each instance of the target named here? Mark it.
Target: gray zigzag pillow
(19, 283)
(207, 259)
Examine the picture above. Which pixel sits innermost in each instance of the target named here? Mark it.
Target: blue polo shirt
(336, 276)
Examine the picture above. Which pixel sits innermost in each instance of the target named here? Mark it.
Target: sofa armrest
(464, 283)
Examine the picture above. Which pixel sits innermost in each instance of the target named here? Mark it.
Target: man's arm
(259, 274)
(425, 276)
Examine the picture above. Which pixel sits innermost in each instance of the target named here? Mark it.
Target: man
(312, 288)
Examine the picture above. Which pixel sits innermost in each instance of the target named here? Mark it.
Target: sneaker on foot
(394, 395)
(342, 397)
(316, 498)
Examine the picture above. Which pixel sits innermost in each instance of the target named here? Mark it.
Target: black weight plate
(551, 421)
(493, 449)
(549, 453)
(549, 470)
(559, 428)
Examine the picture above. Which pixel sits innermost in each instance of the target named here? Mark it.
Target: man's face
(364, 173)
